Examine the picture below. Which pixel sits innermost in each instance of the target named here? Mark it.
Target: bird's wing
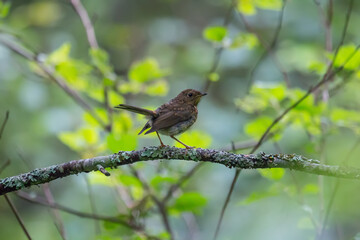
(169, 116)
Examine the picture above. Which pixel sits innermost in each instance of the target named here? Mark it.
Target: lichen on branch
(231, 160)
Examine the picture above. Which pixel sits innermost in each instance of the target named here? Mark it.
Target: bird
(171, 118)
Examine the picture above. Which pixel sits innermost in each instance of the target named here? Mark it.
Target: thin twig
(91, 37)
(55, 213)
(269, 49)
(7, 114)
(181, 181)
(17, 215)
(92, 205)
(164, 215)
(327, 76)
(17, 48)
(219, 50)
(335, 190)
(161, 205)
(44, 202)
(90, 33)
(265, 45)
(226, 203)
(50, 199)
(7, 162)
(301, 201)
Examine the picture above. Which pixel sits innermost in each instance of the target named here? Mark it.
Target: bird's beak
(203, 94)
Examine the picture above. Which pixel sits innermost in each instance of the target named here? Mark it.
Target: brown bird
(171, 118)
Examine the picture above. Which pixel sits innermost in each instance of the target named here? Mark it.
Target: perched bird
(171, 118)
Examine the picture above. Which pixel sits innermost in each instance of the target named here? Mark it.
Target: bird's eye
(190, 95)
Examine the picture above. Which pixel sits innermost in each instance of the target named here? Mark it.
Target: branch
(41, 201)
(220, 49)
(51, 74)
(85, 19)
(231, 160)
(18, 218)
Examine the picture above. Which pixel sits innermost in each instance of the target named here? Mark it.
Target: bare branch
(91, 37)
(16, 213)
(335, 190)
(181, 181)
(219, 50)
(267, 47)
(4, 123)
(44, 202)
(55, 213)
(90, 33)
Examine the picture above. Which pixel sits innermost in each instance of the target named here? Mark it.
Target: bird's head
(190, 96)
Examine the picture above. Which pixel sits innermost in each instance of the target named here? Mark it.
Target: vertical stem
(16, 213)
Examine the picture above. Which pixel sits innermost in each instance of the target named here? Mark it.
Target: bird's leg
(162, 144)
(187, 147)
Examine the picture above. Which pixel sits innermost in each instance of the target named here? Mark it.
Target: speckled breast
(180, 127)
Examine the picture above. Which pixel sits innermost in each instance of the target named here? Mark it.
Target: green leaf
(310, 189)
(343, 116)
(158, 181)
(135, 185)
(100, 112)
(89, 135)
(60, 55)
(215, 33)
(256, 196)
(189, 202)
(4, 9)
(115, 98)
(71, 140)
(129, 180)
(245, 39)
(247, 7)
(123, 142)
(158, 88)
(122, 122)
(257, 127)
(195, 138)
(270, 93)
(130, 87)
(269, 4)
(86, 138)
(98, 178)
(347, 56)
(214, 77)
(272, 173)
(317, 67)
(100, 59)
(75, 72)
(251, 104)
(146, 70)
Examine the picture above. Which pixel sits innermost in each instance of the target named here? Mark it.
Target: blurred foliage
(149, 52)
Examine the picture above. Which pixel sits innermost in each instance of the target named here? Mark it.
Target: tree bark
(243, 161)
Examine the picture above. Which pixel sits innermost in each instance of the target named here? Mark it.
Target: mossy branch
(251, 161)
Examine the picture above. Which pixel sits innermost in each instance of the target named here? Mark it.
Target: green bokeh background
(171, 32)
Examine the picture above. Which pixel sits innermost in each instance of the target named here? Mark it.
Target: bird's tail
(136, 110)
